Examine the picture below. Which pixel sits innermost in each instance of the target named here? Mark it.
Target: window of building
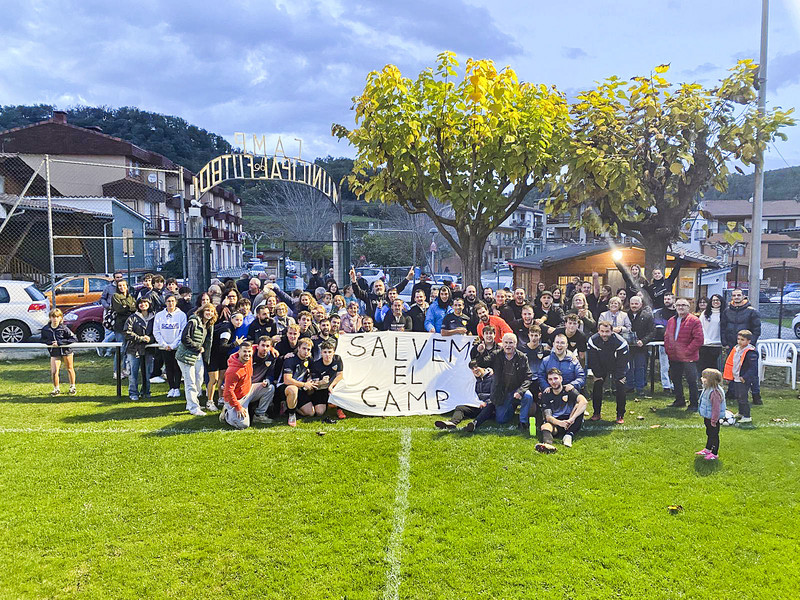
(127, 242)
(781, 251)
(563, 280)
(780, 224)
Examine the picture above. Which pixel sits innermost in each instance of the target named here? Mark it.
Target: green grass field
(104, 498)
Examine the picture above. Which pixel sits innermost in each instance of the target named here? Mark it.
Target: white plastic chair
(778, 353)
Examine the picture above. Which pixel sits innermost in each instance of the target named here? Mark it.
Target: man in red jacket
(682, 340)
(239, 392)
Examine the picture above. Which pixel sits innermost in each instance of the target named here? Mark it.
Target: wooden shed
(561, 265)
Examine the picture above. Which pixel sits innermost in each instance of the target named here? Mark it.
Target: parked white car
(796, 325)
(788, 298)
(371, 274)
(23, 311)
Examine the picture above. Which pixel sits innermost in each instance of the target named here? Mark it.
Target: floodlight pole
(758, 195)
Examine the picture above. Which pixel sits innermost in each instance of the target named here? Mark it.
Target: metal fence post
(50, 233)
(182, 228)
(119, 371)
(780, 308)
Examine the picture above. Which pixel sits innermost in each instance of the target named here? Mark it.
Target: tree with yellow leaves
(477, 143)
(643, 151)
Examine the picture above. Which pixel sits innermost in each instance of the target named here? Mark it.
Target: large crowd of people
(256, 353)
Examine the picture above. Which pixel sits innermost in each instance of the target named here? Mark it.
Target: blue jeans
(637, 369)
(109, 337)
(504, 413)
(139, 364)
(663, 362)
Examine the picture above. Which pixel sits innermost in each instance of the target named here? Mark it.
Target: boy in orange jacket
(240, 393)
(741, 369)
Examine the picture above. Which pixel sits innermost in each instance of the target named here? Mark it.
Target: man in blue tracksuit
(572, 372)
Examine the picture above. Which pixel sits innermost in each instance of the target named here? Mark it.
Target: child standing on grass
(741, 369)
(712, 408)
(58, 335)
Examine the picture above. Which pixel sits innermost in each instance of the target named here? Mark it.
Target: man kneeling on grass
(563, 412)
(511, 380)
(326, 372)
(297, 385)
(483, 389)
(240, 392)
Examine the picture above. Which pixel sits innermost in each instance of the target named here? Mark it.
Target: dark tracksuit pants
(597, 394)
(171, 367)
(679, 370)
(465, 412)
(739, 391)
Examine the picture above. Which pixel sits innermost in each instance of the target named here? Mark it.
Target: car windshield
(368, 272)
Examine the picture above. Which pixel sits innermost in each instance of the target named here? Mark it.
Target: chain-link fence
(68, 224)
(306, 264)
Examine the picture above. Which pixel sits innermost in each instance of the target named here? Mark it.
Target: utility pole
(758, 195)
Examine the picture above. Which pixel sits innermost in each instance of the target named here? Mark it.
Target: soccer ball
(728, 419)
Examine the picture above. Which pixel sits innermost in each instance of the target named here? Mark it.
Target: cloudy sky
(291, 68)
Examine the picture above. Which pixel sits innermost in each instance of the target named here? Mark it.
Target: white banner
(395, 373)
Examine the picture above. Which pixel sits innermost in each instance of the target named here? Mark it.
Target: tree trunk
(655, 248)
(471, 254)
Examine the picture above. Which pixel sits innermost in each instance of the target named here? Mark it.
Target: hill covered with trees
(779, 184)
(181, 142)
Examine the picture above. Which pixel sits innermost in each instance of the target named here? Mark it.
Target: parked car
(23, 311)
(790, 298)
(501, 265)
(86, 322)
(440, 278)
(371, 274)
(257, 268)
(77, 290)
(293, 282)
(492, 282)
(796, 325)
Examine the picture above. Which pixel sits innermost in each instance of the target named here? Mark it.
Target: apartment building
(778, 243)
(88, 163)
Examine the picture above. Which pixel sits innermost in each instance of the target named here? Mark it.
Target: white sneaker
(197, 412)
(211, 408)
(568, 440)
(157, 379)
(176, 393)
(745, 420)
(262, 419)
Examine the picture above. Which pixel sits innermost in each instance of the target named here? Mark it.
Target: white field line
(394, 552)
(333, 430)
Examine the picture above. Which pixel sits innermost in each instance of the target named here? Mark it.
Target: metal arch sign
(259, 167)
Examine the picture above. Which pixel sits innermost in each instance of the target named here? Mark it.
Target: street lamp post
(758, 195)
